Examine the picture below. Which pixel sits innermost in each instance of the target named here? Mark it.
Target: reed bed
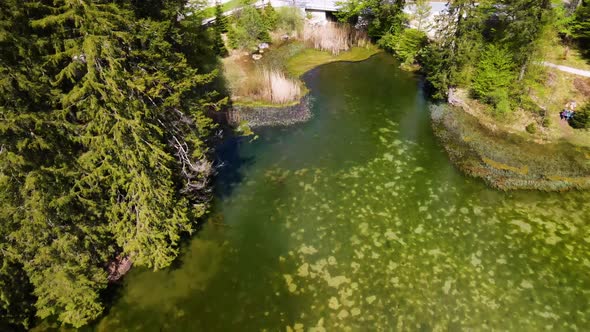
(266, 85)
(278, 88)
(333, 37)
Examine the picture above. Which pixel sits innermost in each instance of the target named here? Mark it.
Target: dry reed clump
(333, 37)
(278, 88)
(251, 82)
(268, 86)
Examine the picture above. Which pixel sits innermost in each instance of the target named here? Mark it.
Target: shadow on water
(231, 163)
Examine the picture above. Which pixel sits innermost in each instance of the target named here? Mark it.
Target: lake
(356, 220)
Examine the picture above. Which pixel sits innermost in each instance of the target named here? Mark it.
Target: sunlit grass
(232, 4)
(556, 54)
(311, 58)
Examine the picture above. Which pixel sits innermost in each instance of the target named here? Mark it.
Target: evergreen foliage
(219, 28)
(420, 13)
(435, 63)
(383, 16)
(453, 56)
(581, 118)
(103, 148)
(220, 19)
(405, 44)
(289, 19)
(494, 76)
(580, 26)
(218, 43)
(465, 33)
(270, 17)
(249, 29)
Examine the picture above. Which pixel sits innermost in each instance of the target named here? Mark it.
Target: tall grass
(265, 85)
(333, 37)
(278, 88)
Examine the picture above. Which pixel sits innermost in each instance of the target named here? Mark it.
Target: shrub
(531, 128)
(494, 74)
(546, 122)
(289, 19)
(500, 100)
(270, 16)
(581, 118)
(405, 44)
(502, 104)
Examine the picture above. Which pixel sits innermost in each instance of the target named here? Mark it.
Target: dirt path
(571, 70)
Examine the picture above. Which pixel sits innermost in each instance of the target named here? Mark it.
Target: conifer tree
(580, 26)
(524, 22)
(420, 13)
(218, 43)
(103, 146)
(494, 75)
(219, 28)
(270, 16)
(220, 19)
(449, 60)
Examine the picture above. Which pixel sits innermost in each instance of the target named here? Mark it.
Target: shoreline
(261, 114)
(507, 161)
(270, 115)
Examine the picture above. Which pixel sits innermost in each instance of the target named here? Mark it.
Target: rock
(79, 58)
(256, 57)
(270, 116)
(285, 37)
(263, 46)
(118, 267)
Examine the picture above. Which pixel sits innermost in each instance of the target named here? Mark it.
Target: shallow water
(357, 221)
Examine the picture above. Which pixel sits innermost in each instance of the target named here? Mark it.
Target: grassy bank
(251, 87)
(509, 160)
(310, 58)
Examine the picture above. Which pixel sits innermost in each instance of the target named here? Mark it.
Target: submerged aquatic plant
(388, 250)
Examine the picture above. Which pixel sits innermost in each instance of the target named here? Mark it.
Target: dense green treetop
(103, 145)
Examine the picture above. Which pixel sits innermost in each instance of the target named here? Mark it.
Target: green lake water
(357, 221)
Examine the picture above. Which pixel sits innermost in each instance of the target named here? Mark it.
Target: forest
(104, 147)
(106, 137)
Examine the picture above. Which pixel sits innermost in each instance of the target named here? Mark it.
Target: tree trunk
(522, 71)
